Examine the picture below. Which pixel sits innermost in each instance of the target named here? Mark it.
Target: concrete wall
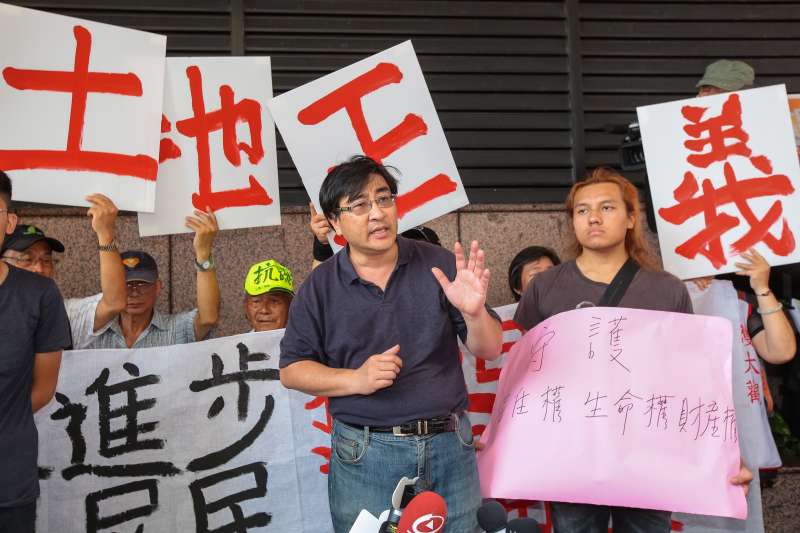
(502, 230)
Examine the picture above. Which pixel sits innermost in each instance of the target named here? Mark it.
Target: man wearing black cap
(30, 249)
(33, 332)
(140, 325)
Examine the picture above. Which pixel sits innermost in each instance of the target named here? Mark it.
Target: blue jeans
(585, 518)
(366, 466)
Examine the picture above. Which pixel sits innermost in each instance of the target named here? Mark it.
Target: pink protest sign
(615, 406)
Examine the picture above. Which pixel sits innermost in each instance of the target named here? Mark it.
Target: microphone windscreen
(523, 525)
(492, 516)
(425, 513)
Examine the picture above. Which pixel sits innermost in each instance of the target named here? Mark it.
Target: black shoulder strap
(616, 289)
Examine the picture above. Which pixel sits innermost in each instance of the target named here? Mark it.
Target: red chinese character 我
(349, 97)
(203, 123)
(326, 427)
(714, 133)
(79, 83)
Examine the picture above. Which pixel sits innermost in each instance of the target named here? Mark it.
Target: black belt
(423, 427)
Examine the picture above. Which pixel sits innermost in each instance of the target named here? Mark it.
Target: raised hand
(205, 229)
(104, 217)
(318, 224)
(467, 292)
(757, 268)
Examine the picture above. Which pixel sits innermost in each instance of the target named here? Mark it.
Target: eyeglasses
(26, 261)
(139, 286)
(362, 207)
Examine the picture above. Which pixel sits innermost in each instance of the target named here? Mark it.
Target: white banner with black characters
(193, 437)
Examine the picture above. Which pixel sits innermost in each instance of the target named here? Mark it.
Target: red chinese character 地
(349, 97)
(203, 123)
(736, 192)
(79, 83)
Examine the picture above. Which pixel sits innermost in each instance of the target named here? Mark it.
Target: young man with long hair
(607, 223)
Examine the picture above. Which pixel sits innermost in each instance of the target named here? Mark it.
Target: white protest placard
(218, 145)
(81, 105)
(379, 107)
(190, 437)
(724, 176)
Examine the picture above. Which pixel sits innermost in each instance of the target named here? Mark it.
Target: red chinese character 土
(202, 124)
(349, 98)
(714, 133)
(79, 83)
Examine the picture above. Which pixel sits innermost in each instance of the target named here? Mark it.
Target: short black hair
(347, 179)
(525, 256)
(5, 188)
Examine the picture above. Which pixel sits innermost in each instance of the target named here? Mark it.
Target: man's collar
(158, 321)
(405, 250)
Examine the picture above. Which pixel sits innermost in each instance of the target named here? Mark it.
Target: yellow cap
(268, 276)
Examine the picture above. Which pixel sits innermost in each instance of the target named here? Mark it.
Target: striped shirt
(163, 330)
(81, 312)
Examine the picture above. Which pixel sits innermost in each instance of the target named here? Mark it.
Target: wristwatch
(206, 265)
(110, 247)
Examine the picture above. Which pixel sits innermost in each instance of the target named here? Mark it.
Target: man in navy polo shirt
(375, 330)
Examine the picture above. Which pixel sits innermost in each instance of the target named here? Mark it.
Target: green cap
(268, 276)
(728, 75)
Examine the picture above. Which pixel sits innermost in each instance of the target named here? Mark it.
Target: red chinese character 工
(349, 97)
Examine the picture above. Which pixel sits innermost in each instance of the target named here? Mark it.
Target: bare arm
(312, 377)
(776, 343)
(112, 273)
(205, 227)
(467, 293)
(45, 378)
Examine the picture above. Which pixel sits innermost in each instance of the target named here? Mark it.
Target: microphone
(401, 497)
(426, 513)
(492, 517)
(523, 525)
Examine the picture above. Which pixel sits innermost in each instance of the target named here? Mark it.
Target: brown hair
(635, 242)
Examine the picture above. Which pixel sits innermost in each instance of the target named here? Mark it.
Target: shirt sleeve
(303, 339)
(53, 331)
(184, 328)
(683, 300)
(81, 313)
(457, 319)
(755, 324)
(528, 314)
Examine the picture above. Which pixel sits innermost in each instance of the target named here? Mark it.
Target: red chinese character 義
(349, 97)
(714, 133)
(78, 83)
(753, 392)
(226, 118)
(326, 427)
